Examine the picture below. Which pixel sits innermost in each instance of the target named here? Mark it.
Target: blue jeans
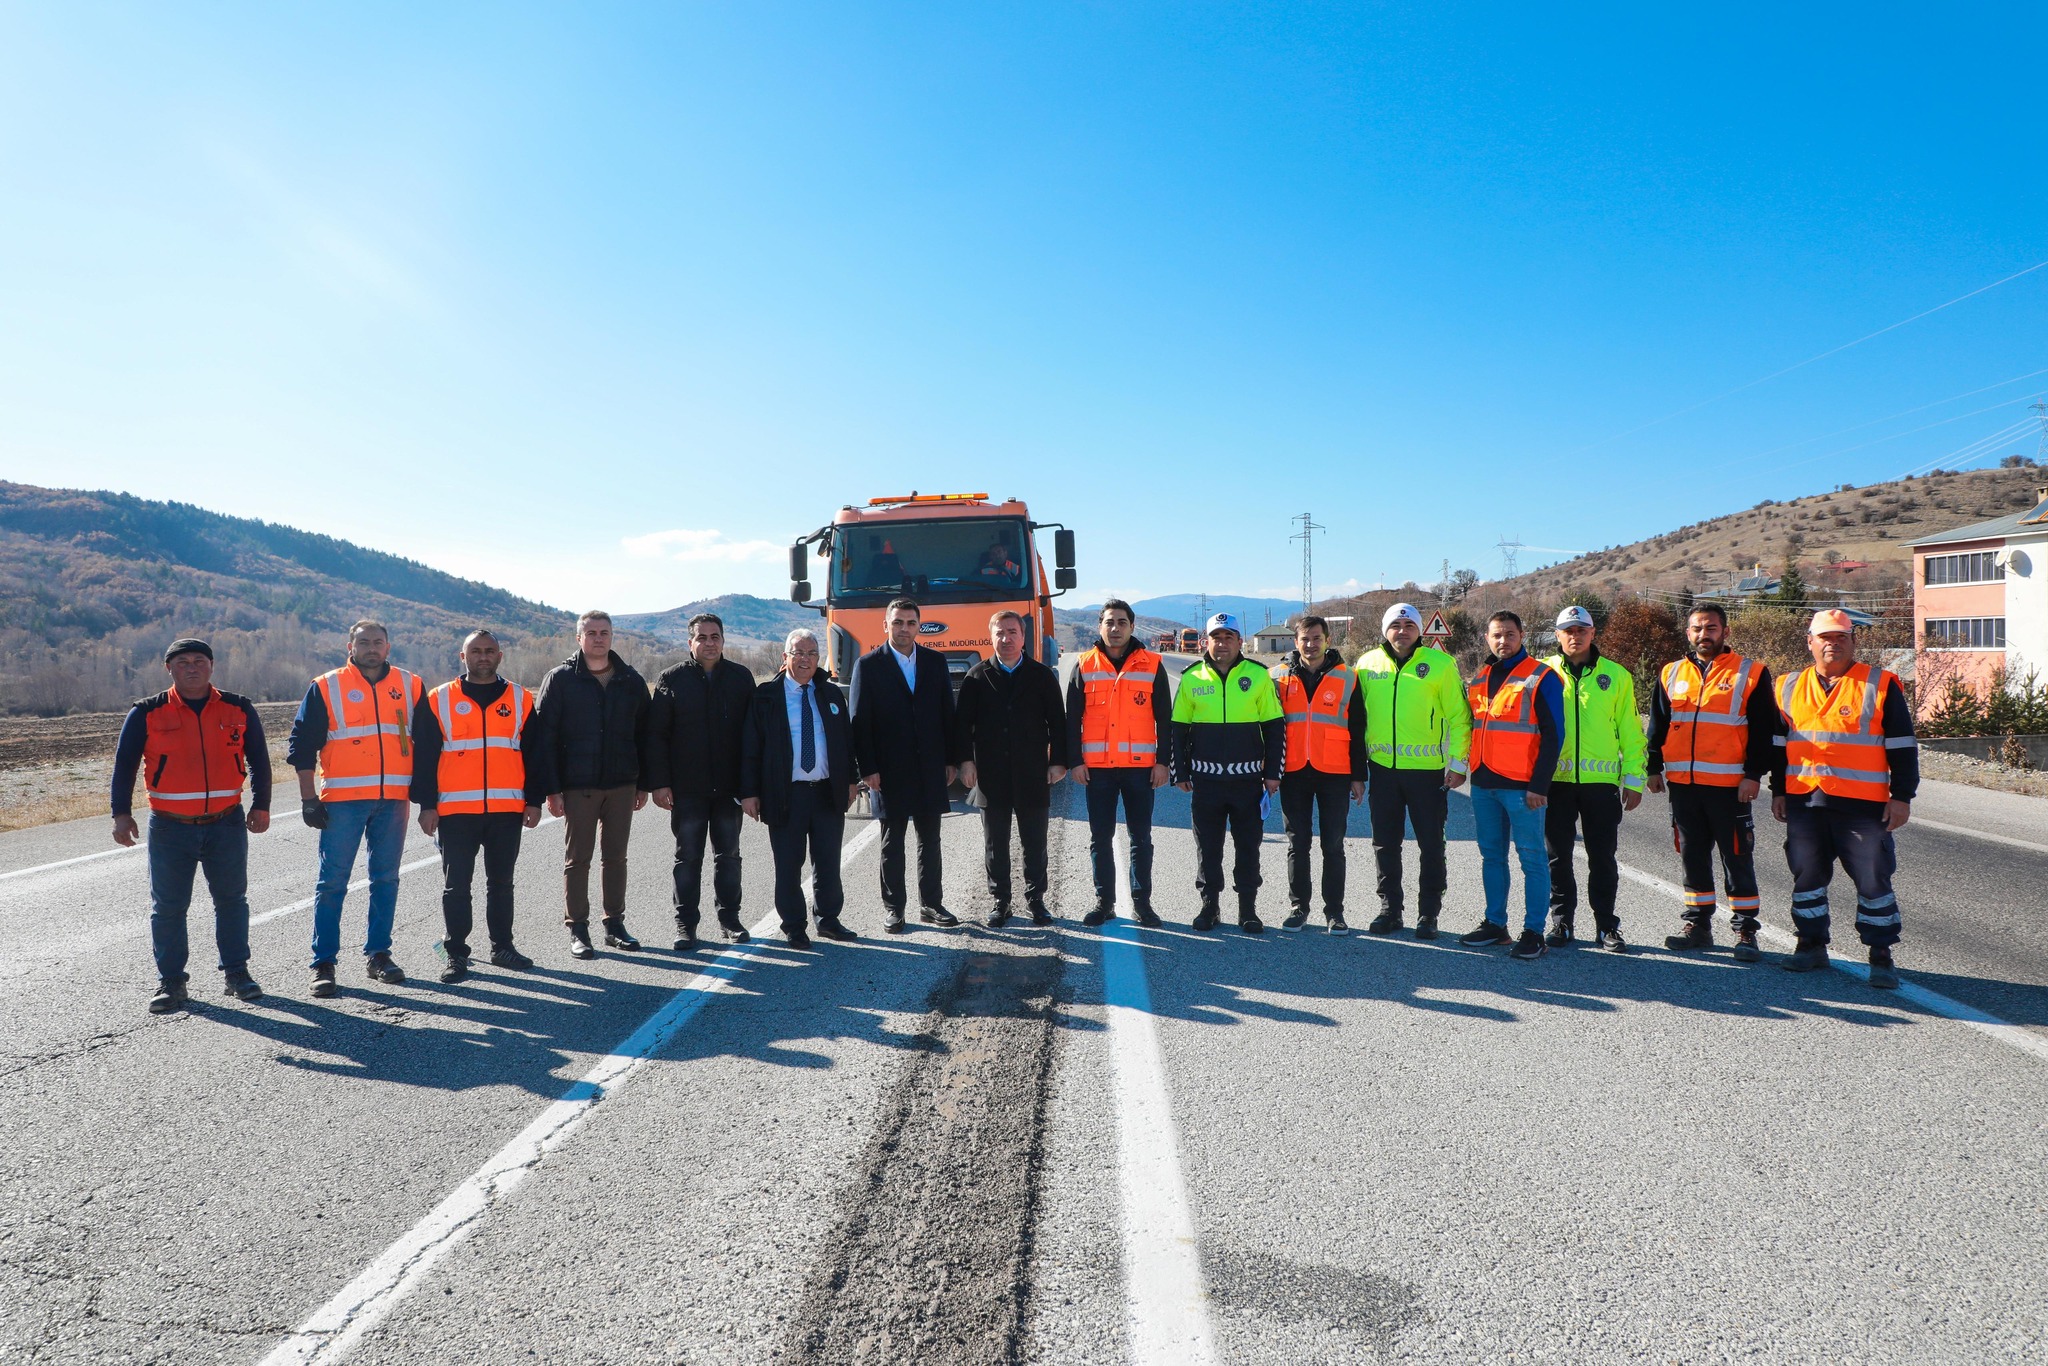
(382, 821)
(1502, 814)
(1134, 786)
(176, 852)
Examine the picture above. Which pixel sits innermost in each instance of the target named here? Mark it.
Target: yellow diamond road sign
(1436, 627)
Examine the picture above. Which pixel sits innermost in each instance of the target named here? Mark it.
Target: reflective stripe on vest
(368, 754)
(1708, 738)
(1505, 735)
(1834, 738)
(1118, 729)
(481, 769)
(1318, 726)
(189, 757)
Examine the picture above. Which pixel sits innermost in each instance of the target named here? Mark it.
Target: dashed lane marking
(365, 1301)
(1166, 1305)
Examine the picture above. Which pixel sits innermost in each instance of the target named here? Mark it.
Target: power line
(1810, 360)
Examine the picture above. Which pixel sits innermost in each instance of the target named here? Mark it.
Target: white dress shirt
(907, 663)
(793, 699)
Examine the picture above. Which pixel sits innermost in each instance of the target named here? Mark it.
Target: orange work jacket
(1709, 734)
(1318, 726)
(481, 769)
(1834, 737)
(1117, 726)
(368, 754)
(1505, 736)
(193, 763)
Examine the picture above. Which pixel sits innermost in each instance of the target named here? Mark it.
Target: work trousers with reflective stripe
(1819, 837)
(1397, 798)
(1134, 787)
(1595, 808)
(587, 811)
(1233, 802)
(694, 819)
(1306, 795)
(462, 836)
(177, 851)
(1706, 819)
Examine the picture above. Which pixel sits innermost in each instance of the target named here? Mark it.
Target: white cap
(1573, 616)
(1223, 621)
(1400, 611)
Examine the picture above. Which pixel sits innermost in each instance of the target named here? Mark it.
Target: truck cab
(961, 557)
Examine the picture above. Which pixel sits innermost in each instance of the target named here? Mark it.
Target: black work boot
(1297, 916)
(1425, 927)
(1104, 912)
(379, 968)
(323, 980)
(1807, 957)
(1206, 918)
(240, 985)
(686, 938)
(1039, 914)
(1386, 922)
(1697, 934)
(615, 936)
(1746, 950)
(892, 922)
(169, 996)
(1884, 974)
(579, 940)
(1142, 912)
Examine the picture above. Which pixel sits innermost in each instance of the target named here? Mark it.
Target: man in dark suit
(796, 777)
(1013, 728)
(905, 746)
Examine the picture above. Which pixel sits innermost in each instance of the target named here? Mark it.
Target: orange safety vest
(1117, 726)
(192, 762)
(1835, 737)
(368, 754)
(1318, 727)
(1709, 734)
(481, 769)
(1504, 733)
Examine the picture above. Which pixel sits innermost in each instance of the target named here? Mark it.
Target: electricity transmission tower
(2040, 405)
(1309, 527)
(1509, 564)
(1202, 611)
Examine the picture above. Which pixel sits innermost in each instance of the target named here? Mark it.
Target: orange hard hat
(1829, 620)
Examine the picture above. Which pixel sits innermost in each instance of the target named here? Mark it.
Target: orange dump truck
(960, 556)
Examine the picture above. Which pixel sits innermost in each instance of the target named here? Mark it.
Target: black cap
(185, 643)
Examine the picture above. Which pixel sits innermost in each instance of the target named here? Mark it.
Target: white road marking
(1977, 834)
(365, 1301)
(134, 848)
(2012, 1035)
(1166, 1304)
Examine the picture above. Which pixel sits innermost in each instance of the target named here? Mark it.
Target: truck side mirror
(800, 591)
(1063, 551)
(1064, 579)
(799, 563)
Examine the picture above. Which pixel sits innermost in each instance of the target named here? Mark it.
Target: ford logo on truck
(931, 628)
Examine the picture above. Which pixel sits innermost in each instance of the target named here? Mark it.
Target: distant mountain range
(746, 618)
(1186, 608)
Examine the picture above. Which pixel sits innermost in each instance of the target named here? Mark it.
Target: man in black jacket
(797, 777)
(692, 766)
(590, 721)
(906, 748)
(1013, 730)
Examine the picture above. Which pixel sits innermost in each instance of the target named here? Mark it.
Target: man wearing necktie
(796, 777)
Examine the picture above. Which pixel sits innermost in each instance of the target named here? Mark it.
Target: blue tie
(810, 733)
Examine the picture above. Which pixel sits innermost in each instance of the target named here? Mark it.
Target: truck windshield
(958, 558)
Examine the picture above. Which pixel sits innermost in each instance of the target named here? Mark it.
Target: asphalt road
(975, 1146)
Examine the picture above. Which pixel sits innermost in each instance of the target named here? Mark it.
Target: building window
(1965, 633)
(1980, 566)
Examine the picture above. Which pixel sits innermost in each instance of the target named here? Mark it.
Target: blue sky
(605, 304)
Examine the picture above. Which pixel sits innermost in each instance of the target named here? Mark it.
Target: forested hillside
(92, 585)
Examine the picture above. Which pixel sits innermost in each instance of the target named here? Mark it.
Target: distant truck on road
(1190, 641)
(962, 557)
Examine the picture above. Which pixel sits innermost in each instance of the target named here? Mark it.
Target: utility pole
(2040, 405)
(1309, 527)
